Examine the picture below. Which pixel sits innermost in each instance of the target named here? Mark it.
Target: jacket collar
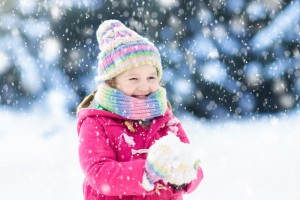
(90, 112)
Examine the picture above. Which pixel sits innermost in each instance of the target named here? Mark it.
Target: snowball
(173, 160)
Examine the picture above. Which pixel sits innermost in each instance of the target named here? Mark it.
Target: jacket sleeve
(177, 127)
(194, 184)
(99, 165)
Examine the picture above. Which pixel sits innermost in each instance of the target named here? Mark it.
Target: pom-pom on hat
(122, 49)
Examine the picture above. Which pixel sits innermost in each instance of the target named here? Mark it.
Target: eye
(133, 79)
(152, 77)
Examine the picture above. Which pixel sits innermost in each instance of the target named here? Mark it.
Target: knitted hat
(122, 49)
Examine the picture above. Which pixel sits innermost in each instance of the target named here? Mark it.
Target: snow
(35, 28)
(129, 140)
(51, 49)
(214, 71)
(184, 87)
(27, 6)
(170, 160)
(253, 73)
(281, 25)
(251, 159)
(201, 46)
(254, 158)
(38, 157)
(168, 3)
(5, 63)
(256, 11)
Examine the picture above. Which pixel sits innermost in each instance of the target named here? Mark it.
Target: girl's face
(138, 82)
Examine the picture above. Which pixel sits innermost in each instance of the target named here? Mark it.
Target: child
(131, 145)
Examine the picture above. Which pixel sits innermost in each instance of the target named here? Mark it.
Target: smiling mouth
(140, 96)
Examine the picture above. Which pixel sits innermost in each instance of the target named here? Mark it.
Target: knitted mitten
(157, 166)
(170, 160)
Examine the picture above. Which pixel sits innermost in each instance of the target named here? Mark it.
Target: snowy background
(255, 158)
(232, 70)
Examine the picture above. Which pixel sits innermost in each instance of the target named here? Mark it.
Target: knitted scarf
(129, 107)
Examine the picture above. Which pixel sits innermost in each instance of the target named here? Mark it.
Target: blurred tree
(221, 58)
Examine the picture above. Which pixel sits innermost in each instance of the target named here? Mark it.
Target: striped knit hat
(122, 49)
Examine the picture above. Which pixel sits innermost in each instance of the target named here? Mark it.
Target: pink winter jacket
(112, 167)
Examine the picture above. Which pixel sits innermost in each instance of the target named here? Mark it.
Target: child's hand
(172, 161)
(158, 163)
(183, 170)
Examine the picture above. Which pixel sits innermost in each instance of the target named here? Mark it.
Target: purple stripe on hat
(123, 45)
(124, 51)
(135, 59)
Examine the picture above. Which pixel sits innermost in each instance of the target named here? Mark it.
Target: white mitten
(171, 160)
(158, 161)
(184, 165)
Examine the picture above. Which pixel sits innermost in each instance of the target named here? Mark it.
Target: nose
(144, 87)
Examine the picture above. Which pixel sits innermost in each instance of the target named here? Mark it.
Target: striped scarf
(129, 107)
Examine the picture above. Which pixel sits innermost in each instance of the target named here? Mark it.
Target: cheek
(126, 89)
(154, 87)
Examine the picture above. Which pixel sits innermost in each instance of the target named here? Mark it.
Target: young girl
(130, 144)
